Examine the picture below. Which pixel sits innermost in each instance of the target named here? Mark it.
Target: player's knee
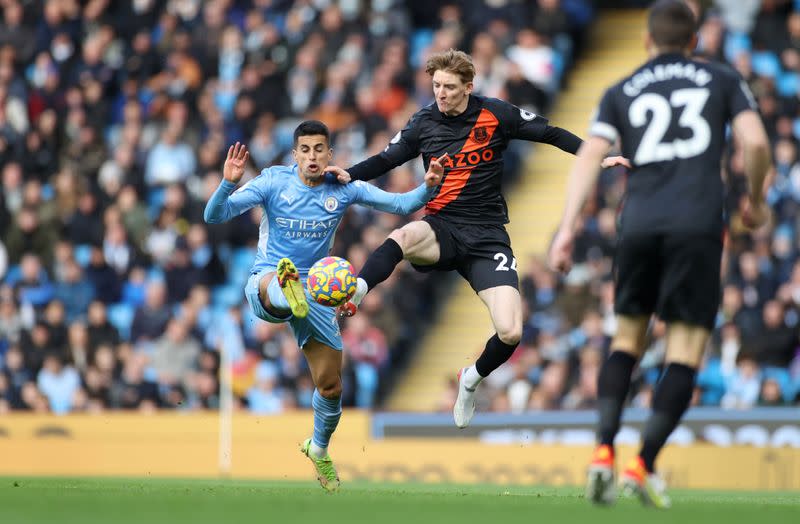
(401, 237)
(509, 332)
(330, 389)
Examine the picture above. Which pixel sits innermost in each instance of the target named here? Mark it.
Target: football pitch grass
(156, 501)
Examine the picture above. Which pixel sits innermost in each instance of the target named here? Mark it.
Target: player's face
(312, 154)
(451, 93)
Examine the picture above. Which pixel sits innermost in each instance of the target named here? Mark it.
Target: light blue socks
(326, 417)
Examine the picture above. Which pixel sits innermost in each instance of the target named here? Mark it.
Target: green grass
(155, 501)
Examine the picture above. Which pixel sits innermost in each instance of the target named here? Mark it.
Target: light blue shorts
(321, 324)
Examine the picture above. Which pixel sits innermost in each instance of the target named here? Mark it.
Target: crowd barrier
(187, 445)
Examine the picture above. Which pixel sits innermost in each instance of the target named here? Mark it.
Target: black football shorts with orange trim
(481, 254)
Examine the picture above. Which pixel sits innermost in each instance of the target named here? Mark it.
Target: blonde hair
(452, 61)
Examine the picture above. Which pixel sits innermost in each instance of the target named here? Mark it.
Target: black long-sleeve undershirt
(562, 139)
(377, 165)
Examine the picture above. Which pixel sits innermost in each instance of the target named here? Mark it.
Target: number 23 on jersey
(653, 146)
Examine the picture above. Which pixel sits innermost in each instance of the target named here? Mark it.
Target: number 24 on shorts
(502, 265)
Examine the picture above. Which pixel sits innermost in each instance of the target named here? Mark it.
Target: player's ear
(468, 88)
(647, 40)
(294, 154)
(693, 43)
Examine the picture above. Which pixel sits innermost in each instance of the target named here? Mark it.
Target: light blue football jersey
(299, 222)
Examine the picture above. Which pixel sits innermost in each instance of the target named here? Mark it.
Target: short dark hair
(310, 128)
(671, 24)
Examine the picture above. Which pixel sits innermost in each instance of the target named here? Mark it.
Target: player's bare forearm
(757, 162)
(582, 178)
(755, 144)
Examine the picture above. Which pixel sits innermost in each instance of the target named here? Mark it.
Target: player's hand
(341, 175)
(755, 214)
(233, 169)
(559, 258)
(346, 310)
(612, 161)
(435, 171)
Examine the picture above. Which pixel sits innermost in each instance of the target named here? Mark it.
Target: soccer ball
(331, 281)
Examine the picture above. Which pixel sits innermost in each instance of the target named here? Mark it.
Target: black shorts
(480, 253)
(676, 276)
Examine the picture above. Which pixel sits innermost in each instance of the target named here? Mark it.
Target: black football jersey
(670, 117)
(474, 142)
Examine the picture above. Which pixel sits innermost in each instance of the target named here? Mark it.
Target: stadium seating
(113, 132)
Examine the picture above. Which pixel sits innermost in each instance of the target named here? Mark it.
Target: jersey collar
(668, 57)
(472, 105)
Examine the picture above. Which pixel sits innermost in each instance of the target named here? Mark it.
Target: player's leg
(505, 308)
(688, 301)
(636, 292)
(671, 399)
(492, 273)
(292, 293)
(685, 346)
(318, 335)
(613, 383)
(325, 364)
(265, 298)
(415, 241)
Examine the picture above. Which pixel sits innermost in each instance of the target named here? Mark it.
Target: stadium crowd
(753, 358)
(114, 119)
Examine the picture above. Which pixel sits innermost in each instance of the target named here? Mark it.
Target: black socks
(612, 388)
(494, 355)
(381, 263)
(670, 401)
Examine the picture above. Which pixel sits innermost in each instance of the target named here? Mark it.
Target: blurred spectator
(170, 160)
(75, 291)
(367, 350)
(534, 59)
(131, 390)
(265, 398)
(99, 330)
(59, 383)
(743, 386)
(14, 33)
(10, 321)
(175, 354)
(33, 286)
(771, 393)
(29, 235)
(17, 375)
(105, 281)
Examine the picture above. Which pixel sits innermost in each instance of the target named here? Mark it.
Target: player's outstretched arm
(582, 179)
(566, 141)
(224, 204)
(534, 128)
(402, 203)
(376, 165)
(402, 147)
